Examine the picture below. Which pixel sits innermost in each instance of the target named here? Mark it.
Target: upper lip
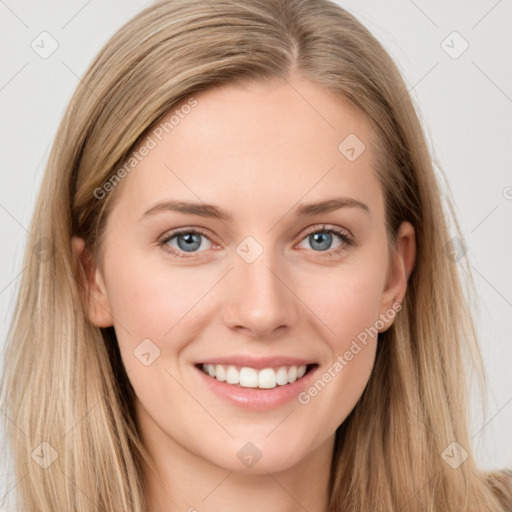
(257, 362)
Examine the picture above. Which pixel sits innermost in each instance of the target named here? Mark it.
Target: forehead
(256, 146)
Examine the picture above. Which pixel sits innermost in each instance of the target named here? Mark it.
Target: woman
(243, 295)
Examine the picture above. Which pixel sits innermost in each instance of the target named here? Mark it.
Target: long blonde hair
(64, 383)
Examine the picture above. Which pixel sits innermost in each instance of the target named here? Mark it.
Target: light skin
(259, 152)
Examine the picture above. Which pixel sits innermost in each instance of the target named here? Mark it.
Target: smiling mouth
(265, 378)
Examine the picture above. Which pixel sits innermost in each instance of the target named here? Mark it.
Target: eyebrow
(212, 211)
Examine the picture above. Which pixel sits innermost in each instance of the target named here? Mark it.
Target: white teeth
(232, 375)
(292, 374)
(248, 378)
(267, 378)
(282, 376)
(220, 373)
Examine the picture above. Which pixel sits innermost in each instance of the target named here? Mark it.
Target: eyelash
(347, 240)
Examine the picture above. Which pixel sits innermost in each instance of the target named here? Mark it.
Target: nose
(261, 299)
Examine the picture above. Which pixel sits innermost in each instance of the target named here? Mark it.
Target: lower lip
(255, 398)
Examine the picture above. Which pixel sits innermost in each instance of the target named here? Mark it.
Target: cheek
(348, 301)
(347, 306)
(157, 310)
(149, 302)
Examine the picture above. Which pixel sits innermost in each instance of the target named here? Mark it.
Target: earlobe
(400, 269)
(92, 286)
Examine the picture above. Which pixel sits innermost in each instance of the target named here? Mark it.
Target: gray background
(465, 104)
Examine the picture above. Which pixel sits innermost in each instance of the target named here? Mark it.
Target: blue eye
(189, 242)
(186, 243)
(321, 239)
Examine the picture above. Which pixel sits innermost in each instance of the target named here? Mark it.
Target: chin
(260, 455)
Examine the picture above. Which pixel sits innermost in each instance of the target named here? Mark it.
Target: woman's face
(281, 266)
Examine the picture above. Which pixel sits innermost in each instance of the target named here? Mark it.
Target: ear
(400, 268)
(92, 286)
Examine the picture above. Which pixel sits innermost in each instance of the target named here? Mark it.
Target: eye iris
(189, 241)
(324, 239)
